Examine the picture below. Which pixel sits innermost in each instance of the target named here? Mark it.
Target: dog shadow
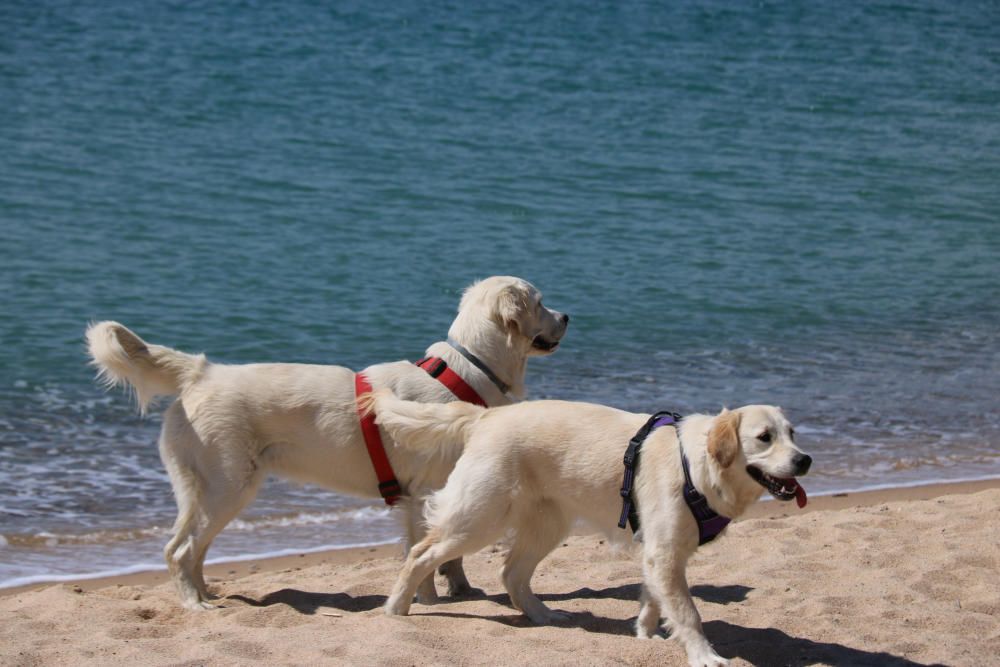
(308, 603)
(758, 646)
(630, 592)
(768, 646)
(585, 620)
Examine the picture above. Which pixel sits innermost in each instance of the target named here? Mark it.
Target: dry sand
(882, 578)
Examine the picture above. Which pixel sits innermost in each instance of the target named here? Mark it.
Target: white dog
(534, 468)
(232, 425)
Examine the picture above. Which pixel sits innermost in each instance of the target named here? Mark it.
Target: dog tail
(431, 427)
(122, 358)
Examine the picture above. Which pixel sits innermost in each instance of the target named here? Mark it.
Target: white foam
(156, 567)
(310, 518)
(895, 485)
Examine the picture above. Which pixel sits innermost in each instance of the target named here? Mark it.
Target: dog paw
(707, 659)
(395, 607)
(559, 616)
(428, 598)
(200, 605)
(549, 617)
(658, 633)
(465, 591)
(427, 592)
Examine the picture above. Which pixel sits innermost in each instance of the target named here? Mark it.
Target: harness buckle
(390, 488)
(433, 365)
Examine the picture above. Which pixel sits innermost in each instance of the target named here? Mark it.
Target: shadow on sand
(305, 602)
(758, 646)
(769, 646)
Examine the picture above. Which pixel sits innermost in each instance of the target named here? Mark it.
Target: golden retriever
(232, 425)
(535, 468)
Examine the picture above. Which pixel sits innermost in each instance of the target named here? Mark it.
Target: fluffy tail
(122, 358)
(440, 428)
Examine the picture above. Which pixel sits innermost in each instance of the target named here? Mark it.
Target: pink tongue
(800, 495)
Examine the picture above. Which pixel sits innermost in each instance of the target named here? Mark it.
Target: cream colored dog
(534, 468)
(233, 425)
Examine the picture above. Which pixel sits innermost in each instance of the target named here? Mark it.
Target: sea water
(791, 203)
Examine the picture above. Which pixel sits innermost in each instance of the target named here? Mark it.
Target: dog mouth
(782, 488)
(539, 342)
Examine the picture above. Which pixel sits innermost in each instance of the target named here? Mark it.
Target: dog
(534, 468)
(232, 425)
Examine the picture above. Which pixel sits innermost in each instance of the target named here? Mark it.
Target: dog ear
(512, 307)
(724, 438)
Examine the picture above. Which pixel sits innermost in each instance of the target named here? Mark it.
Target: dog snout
(564, 319)
(801, 463)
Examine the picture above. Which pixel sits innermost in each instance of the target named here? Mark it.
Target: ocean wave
(157, 567)
(897, 485)
(360, 515)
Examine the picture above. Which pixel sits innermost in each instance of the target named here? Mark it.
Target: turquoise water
(735, 202)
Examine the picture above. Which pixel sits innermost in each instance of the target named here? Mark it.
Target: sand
(898, 577)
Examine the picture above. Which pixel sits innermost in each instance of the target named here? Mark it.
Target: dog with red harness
(233, 425)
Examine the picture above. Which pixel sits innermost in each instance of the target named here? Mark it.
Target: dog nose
(801, 463)
(565, 318)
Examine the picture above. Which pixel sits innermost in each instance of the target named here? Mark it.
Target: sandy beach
(891, 577)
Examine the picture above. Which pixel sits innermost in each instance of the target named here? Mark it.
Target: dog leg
(217, 511)
(415, 532)
(665, 578)
(195, 529)
(463, 518)
(427, 591)
(203, 510)
(538, 533)
(180, 552)
(452, 535)
(458, 583)
(647, 625)
(420, 563)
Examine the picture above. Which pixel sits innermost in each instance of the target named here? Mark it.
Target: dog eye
(765, 436)
(791, 433)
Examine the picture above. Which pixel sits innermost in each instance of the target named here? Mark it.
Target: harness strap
(710, 523)
(438, 369)
(388, 487)
(629, 511)
(478, 363)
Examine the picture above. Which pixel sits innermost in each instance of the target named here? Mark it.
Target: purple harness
(710, 523)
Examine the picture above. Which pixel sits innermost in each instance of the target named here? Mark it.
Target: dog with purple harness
(535, 469)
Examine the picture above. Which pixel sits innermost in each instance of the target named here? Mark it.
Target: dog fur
(232, 425)
(535, 468)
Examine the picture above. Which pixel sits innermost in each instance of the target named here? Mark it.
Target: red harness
(438, 369)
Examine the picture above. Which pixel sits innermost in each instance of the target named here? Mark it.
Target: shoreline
(228, 570)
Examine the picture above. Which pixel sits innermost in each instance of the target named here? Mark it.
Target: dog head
(516, 306)
(756, 444)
